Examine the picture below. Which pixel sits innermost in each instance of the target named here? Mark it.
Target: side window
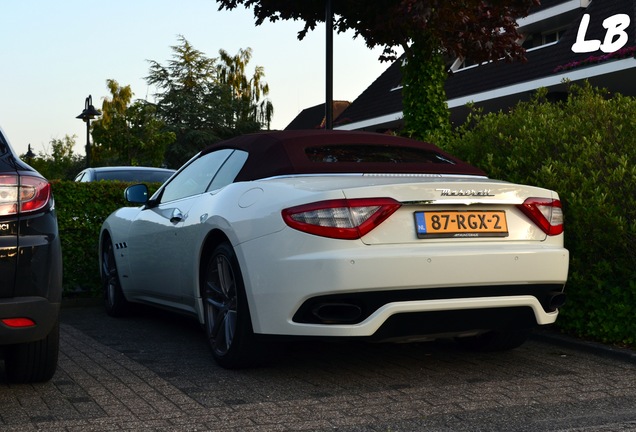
(195, 178)
(229, 170)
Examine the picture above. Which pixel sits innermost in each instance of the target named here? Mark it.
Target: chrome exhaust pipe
(555, 300)
(337, 313)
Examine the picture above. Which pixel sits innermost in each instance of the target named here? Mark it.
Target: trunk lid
(443, 210)
(464, 208)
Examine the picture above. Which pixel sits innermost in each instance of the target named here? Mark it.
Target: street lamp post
(29, 155)
(87, 115)
(329, 64)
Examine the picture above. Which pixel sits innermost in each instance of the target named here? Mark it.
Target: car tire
(227, 321)
(114, 299)
(33, 361)
(494, 340)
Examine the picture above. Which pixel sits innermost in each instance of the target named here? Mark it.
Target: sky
(57, 53)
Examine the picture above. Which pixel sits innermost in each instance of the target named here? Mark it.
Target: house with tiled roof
(550, 33)
(314, 117)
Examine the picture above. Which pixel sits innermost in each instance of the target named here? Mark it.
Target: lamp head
(89, 111)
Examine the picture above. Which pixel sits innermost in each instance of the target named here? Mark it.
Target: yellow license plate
(469, 223)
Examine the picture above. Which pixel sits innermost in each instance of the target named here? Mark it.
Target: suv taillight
(546, 213)
(346, 219)
(23, 194)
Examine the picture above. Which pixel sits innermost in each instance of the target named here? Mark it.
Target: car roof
(276, 153)
(129, 168)
(124, 173)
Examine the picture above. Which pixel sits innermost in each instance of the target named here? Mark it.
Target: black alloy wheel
(115, 301)
(227, 320)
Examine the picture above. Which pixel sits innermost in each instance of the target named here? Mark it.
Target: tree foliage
(247, 93)
(423, 98)
(128, 134)
(477, 29)
(203, 100)
(59, 161)
(427, 30)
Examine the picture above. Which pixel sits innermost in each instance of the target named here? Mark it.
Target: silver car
(134, 174)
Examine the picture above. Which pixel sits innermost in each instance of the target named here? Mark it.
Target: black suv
(30, 271)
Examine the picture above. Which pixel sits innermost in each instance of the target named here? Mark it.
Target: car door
(160, 251)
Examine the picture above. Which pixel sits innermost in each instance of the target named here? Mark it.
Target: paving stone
(153, 372)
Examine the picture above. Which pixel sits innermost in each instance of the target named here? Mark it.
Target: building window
(461, 64)
(536, 40)
(532, 41)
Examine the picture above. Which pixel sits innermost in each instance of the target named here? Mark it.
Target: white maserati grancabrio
(336, 234)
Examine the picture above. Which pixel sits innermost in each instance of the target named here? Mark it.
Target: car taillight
(18, 322)
(346, 219)
(23, 194)
(546, 213)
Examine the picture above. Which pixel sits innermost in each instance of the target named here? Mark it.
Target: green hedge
(81, 209)
(585, 149)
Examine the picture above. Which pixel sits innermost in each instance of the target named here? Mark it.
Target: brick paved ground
(153, 372)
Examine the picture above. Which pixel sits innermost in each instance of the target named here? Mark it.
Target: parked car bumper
(39, 259)
(32, 279)
(38, 309)
(450, 282)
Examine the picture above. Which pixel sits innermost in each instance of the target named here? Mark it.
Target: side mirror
(136, 194)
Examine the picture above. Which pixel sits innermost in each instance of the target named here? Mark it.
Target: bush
(81, 209)
(585, 149)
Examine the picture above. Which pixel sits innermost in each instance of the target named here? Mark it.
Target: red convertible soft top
(276, 153)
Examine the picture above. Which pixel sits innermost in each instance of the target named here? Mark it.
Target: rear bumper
(39, 271)
(354, 308)
(302, 269)
(38, 309)
(31, 271)
(31, 262)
